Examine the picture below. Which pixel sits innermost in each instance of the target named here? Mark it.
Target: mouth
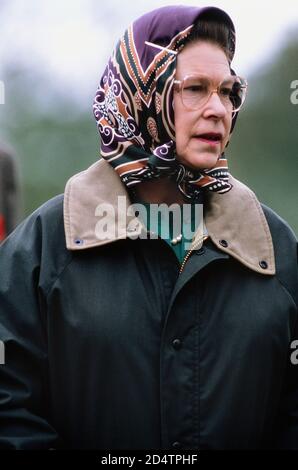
(211, 138)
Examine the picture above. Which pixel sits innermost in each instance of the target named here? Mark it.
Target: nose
(214, 106)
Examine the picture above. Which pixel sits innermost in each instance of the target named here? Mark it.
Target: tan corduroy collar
(235, 220)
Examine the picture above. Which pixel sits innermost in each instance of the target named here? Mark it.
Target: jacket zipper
(190, 252)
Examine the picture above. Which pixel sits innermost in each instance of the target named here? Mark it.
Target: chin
(200, 162)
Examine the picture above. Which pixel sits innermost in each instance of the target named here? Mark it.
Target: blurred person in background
(128, 342)
(9, 192)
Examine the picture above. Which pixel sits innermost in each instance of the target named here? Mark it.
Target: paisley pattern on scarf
(133, 104)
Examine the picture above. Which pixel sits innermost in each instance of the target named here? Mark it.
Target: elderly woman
(118, 339)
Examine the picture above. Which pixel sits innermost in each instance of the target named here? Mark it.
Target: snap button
(263, 264)
(223, 243)
(176, 445)
(200, 251)
(177, 343)
(132, 229)
(79, 241)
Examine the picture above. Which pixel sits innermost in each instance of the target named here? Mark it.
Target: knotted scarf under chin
(193, 184)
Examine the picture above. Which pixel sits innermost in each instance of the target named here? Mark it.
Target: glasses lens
(196, 91)
(238, 93)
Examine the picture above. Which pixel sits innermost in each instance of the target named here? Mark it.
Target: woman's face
(213, 117)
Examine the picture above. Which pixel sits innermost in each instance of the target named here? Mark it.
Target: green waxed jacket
(110, 345)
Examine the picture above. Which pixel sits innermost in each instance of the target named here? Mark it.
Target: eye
(195, 88)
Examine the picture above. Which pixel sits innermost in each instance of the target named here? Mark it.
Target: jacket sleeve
(287, 422)
(24, 406)
(288, 414)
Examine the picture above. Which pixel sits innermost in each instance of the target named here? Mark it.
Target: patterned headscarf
(133, 103)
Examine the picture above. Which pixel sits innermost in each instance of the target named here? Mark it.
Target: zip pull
(190, 251)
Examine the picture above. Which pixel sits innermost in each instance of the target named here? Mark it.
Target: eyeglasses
(196, 90)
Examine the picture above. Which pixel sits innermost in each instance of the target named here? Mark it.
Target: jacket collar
(235, 220)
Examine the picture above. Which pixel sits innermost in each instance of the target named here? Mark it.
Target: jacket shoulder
(38, 243)
(45, 218)
(51, 209)
(277, 223)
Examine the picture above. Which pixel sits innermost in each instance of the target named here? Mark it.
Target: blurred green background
(264, 148)
(55, 137)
